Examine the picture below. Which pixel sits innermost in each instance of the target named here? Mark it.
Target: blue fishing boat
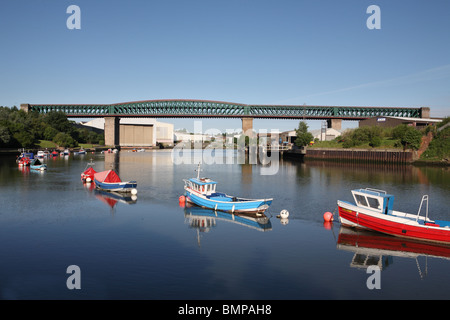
(110, 181)
(202, 192)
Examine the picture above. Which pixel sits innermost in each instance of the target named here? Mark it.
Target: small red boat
(88, 174)
(24, 162)
(373, 210)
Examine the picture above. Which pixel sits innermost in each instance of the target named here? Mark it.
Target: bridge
(178, 108)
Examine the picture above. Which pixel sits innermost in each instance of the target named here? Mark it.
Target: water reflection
(204, 220)
(110, 198)
(377, 249)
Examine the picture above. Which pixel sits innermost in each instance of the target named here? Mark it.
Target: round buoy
(182, 199)
(88, 180)
(284, 214)
(133, 191)
(328, 216)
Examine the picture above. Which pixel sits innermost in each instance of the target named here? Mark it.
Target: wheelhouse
(204, 186)
(373, 199)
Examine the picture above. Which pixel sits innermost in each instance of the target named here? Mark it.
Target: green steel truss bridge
(216, 109)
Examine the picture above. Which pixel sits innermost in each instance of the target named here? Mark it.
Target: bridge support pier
(112, 129)
(335, 124)
(247, 126)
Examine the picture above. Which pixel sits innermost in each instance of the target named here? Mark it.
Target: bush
(412, 138)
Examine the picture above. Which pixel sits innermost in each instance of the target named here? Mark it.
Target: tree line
(20, 129)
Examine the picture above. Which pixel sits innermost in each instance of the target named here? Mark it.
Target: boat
(202, 192)
(110, 181)
(66, 152)
(23, 154)
(373, 210)
(55, 153)
(41, 154)
(36, 164)
(24, 162)
(81, 151)
(88, 174)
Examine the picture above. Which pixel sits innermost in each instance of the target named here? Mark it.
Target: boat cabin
(377, 200)
(204, 186)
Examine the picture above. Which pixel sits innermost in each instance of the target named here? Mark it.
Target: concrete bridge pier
(112, 129)
(247, 126)
(334, 124)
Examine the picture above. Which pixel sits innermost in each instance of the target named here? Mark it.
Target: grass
(386, 143)
(47, 144)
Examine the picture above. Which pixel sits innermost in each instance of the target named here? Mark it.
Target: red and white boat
(88, 174)
(373, 210)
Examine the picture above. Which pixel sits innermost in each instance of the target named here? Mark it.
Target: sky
(288, 52)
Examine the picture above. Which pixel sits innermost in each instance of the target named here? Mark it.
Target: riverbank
(363, 155)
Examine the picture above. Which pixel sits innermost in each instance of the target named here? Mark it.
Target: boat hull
(400, 225)
(246, 205)
(116, 186)
(41, 167)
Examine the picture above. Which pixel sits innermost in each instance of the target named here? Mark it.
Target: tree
(50, 133)
(64, 140)
(412, 138)
(303, 136)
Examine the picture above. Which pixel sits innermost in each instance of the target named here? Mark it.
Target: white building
(133, 130)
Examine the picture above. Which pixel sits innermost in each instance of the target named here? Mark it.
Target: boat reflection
(112, 198)
(373, 248)
(203, 220)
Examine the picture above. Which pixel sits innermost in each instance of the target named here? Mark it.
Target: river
(154, 248)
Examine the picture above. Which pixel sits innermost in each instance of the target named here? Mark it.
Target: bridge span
(180, 108)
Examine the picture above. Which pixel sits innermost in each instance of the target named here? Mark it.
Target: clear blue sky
(245, 51)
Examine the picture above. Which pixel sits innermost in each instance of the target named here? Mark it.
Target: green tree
(58, 120)
(412, 138)
(50, 133)
(64, 140)
(303, 136)
(5, 136)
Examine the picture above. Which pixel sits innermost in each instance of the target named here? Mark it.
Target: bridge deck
(218, 109)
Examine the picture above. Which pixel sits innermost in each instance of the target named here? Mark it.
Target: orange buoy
(328, 216)
(182, 199)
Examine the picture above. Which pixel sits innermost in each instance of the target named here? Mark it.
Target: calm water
(152, 248)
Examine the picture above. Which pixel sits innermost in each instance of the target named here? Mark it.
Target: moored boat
(88, 174)
(24, 162)
(110, 181)
(373, 210)
(81, 151)
(202, 192)
(23, 155)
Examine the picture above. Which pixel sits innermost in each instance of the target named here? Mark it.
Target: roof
(374, 192)
(202, 181)
(412, 119)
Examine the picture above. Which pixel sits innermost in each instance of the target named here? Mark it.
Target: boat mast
(198, 171)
